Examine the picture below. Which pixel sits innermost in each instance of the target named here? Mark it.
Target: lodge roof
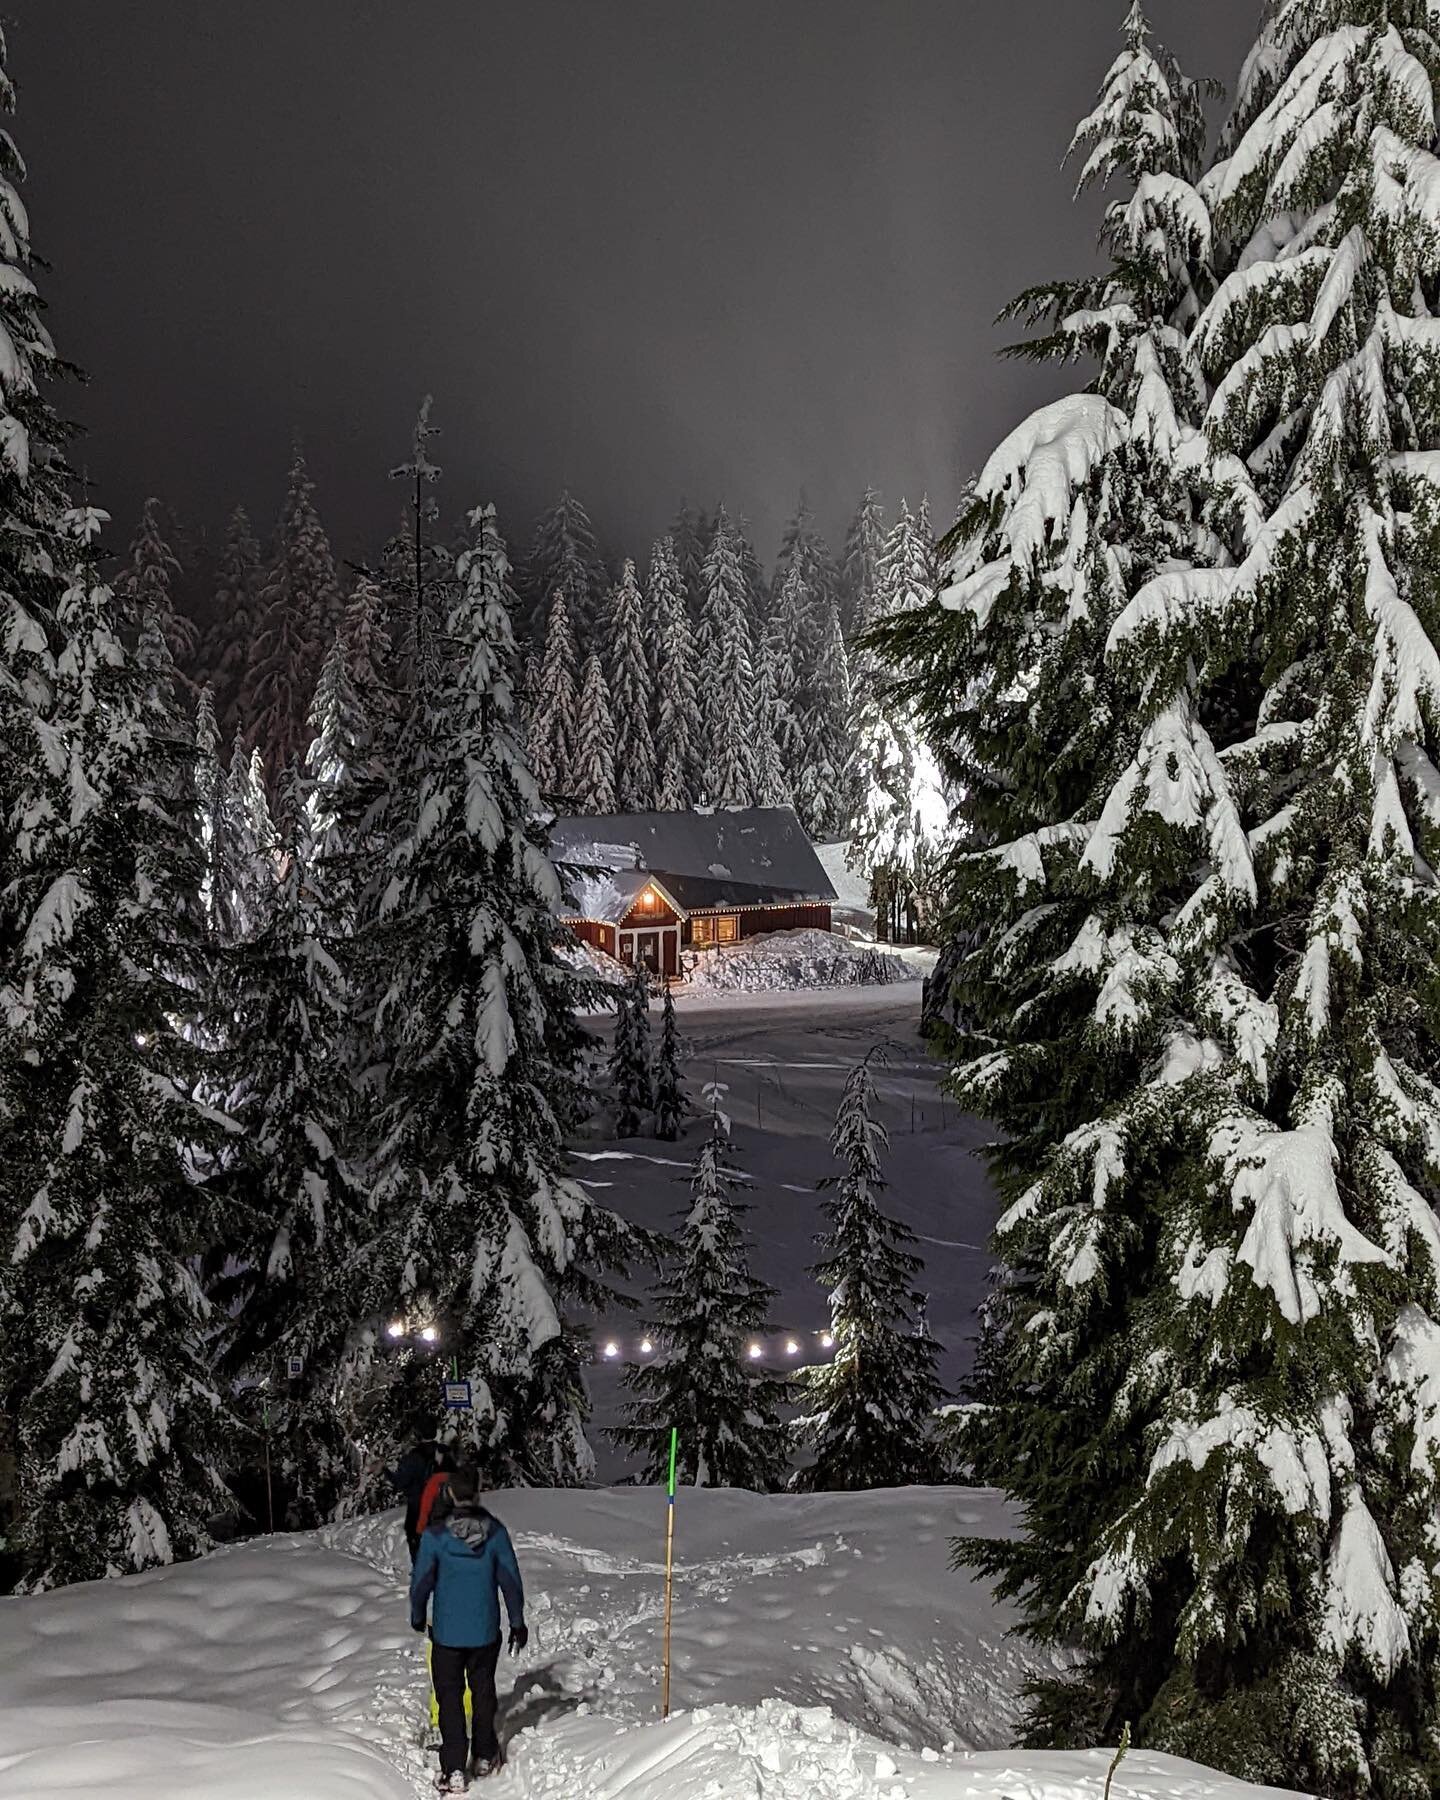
(705, 861)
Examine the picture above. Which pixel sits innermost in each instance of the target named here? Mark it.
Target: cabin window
(722, 930)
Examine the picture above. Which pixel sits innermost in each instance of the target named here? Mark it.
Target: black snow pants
(450, 1671)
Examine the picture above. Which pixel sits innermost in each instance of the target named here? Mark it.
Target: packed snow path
(822, 1652)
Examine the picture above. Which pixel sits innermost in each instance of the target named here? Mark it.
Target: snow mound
(594, 963)
(794, 959)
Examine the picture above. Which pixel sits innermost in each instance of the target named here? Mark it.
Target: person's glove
(417, 1624)
(519, 1638)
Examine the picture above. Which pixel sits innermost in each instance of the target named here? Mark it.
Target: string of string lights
(777, 1347)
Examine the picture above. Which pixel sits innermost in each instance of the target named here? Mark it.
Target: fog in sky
(724, 248)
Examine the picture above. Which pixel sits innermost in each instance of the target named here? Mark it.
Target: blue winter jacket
(466, 1562)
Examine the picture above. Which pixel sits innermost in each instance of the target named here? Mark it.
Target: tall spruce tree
(724, 653)
(671, 1101)
(117, 1428)
(632, 695)
(678, 728)
(630, 1055)
(860, 565)
(299, 607)
(689, 537)
(702, 1380)
(554, 723)
(565, 558)
(1210, 904)
(234, 620)
(871, 1417)
(593, 780)
(148, 584)
(418, 570)
(825, 789)
(482, 1230)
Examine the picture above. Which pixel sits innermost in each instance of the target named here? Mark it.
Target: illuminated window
(702, 931)
(727, 929)
(723, 930)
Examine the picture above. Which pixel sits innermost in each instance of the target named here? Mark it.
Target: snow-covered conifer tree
(725, 665)
(825, 788)
(872, 1406)
(298, 609)
(772, 784)
(369, 653)
(226, 648)
(1202, 748)
(632, 695)
(482, 1230)
(593, 777)
(117, 1429)
(678, 729)
(565, 558)
(630, 1055)
(555, 720)
(701, 1379)
(418, 570)
(689, 537)
(671, 1101)
(147, 585)
(860, 565)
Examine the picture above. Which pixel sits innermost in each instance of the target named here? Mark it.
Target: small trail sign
(457, 1395)
(295, 1368)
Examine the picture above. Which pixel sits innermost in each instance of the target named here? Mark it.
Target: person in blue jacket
(464, 1564)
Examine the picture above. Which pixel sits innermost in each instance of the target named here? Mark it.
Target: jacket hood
(471, 1524)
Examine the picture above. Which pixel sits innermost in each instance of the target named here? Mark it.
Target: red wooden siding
(756, 920)
(659, 912)
(592, 932)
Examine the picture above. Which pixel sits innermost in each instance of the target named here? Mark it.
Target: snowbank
(822, 1651)
(852, 888)
(794, 959)
(594, 963)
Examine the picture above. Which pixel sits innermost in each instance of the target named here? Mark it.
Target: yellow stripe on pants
(434, 1703)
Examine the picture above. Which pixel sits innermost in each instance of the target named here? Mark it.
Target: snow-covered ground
(823, 1651)
(805, 959)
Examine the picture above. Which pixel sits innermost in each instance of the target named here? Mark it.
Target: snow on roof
(751, 856)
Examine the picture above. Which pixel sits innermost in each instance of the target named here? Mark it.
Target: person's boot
(481, 1766)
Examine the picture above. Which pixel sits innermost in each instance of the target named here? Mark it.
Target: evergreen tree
(220, 880)
(701, 1379)
(860, 565)
(418, 570)
(803, 548)
(147, 585)
(306, 1204)
(630, 1055)
(234, 620)
(1209, 909)
(632, 695)
(873, 1404)
(482, 1231)
(594, 774)
(724, 654)
(555, 722)
(368, 654)
(671, 1102)
(772, 784)
(906, 577)
(299, 607)
(789, 653)
(678, 728)
(689, 539)
(117, 1427)
(565, 558)
(824, 791)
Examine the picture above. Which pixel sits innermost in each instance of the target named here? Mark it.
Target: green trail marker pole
(669, 1572)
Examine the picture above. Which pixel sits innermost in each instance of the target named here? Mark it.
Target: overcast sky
(728, 248)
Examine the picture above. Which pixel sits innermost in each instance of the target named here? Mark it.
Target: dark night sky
(725, 247)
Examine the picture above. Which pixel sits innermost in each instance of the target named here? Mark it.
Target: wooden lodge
(646, 887)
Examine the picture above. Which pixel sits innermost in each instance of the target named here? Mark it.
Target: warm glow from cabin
(647, 899)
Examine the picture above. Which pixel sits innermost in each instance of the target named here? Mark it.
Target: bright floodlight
(827, 1339)
(395, 1329)
(646, 1346)
(791, 1347)
(612, 1348)
(429, 1334)
(755, 1352)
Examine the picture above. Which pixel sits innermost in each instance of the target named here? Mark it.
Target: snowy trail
(823, 1651)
